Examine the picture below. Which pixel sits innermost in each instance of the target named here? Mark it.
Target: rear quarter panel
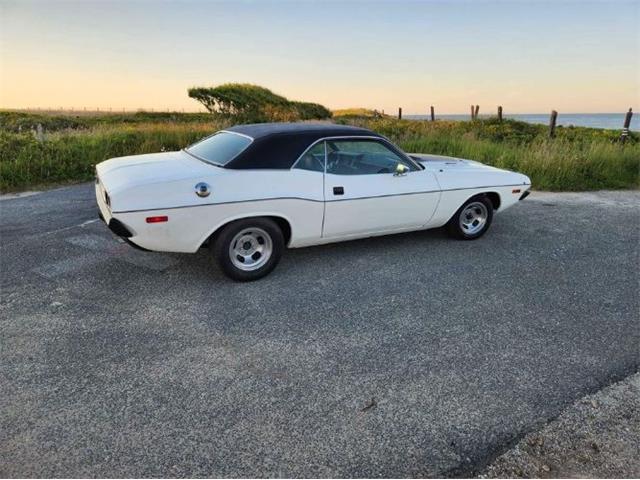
(294, 195)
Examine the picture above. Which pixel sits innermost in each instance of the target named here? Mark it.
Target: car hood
(443, 162)
(121, 173)
(460, 173)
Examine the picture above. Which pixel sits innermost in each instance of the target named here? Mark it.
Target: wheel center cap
(246, 245)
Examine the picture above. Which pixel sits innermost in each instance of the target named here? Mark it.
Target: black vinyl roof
(259, 130)
(278, 145)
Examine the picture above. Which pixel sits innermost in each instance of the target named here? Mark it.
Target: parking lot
(407, 355)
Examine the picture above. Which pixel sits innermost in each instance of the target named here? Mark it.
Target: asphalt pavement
(406, 355)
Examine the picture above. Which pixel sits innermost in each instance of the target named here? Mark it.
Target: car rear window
(220, 148)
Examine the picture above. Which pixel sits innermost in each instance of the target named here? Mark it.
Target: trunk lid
(121, 173)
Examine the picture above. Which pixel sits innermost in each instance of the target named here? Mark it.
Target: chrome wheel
(250, 249)
(473, 218)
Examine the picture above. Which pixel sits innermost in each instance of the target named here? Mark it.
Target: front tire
(249, 249)
(472, 220)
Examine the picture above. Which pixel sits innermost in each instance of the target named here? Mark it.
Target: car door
(365, 193)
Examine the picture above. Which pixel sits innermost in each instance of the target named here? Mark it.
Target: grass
(577, 159)
(16, 122)
(71, 155)
(348, 113)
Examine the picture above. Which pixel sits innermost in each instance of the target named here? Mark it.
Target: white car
(249, 191)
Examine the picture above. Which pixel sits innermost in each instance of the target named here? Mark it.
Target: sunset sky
(527, 56)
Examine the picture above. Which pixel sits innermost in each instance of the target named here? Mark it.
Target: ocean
(613, 121)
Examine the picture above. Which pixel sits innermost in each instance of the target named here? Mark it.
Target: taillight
(159, 219)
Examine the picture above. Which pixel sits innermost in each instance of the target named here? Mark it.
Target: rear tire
(248, 249)
(472, 220)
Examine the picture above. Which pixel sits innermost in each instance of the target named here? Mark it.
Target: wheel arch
(282, 221)
(494, 198)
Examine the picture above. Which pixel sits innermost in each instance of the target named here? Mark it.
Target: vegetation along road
(408, 355)
(66, 148)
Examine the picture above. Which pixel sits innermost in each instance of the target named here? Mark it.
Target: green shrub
(246, 103)
(18, 122)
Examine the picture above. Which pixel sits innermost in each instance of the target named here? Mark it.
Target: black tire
(456, 230)
(222, 243)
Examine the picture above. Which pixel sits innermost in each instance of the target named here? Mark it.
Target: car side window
(312, 159)
(362, 157)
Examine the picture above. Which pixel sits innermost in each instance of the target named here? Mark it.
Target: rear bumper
(115, 225)
(120, 229)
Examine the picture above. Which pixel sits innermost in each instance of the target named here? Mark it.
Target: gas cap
(203, 189)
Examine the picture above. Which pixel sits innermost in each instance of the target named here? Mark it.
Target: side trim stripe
(319, 201)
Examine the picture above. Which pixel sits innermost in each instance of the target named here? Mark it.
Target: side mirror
(401, 170)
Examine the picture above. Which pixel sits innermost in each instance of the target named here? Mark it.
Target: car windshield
(220, 148)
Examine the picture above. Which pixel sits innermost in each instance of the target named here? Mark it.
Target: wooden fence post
(552, 123)
(477, 110)
(627, 124)
(400, 113)
(473, 117)
(40, 133)
(433, 114)
(499, 113)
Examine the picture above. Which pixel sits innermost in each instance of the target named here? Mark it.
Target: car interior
(353, 158)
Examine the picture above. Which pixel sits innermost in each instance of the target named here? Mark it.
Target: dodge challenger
(248, 192)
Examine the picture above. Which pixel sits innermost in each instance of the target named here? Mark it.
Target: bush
(246, 103)
(18, 122)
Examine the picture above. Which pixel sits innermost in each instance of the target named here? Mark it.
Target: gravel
(596, 437)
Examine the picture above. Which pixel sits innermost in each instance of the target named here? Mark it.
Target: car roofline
(260, 130)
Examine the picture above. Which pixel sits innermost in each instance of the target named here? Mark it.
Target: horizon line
(113, 110)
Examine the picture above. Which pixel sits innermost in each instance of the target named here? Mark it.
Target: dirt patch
(598, 436)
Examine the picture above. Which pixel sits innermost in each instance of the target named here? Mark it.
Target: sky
(528, 56)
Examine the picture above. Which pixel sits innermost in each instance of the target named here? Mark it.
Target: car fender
(240, 216)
